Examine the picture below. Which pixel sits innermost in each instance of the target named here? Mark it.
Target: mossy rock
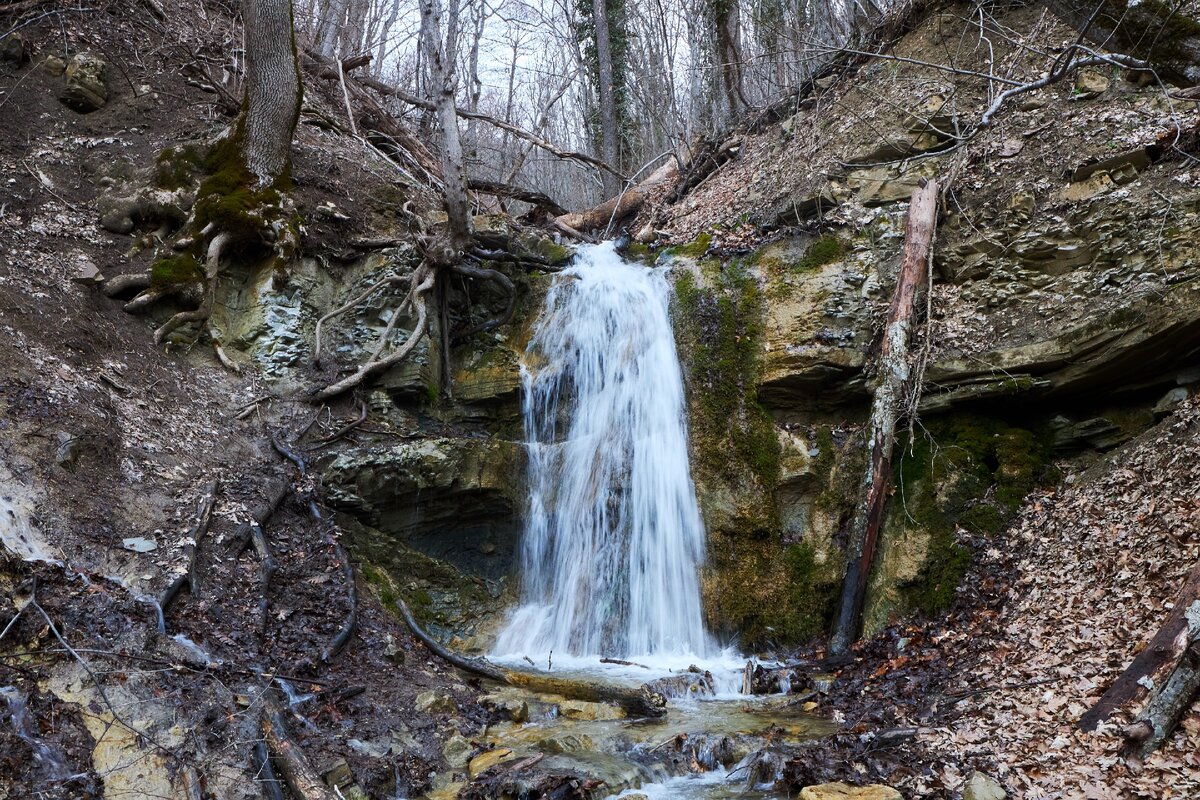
(770, 594)
(721, 335)
(967, 471)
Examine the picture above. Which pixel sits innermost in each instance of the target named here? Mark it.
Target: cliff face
(1064, 316)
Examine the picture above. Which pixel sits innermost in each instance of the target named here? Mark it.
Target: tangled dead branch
(191, 548)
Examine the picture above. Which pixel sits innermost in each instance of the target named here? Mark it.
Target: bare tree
(606, 90)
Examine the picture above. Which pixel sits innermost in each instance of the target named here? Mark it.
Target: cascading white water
(613, 541)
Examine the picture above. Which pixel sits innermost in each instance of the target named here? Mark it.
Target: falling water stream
(614, 542)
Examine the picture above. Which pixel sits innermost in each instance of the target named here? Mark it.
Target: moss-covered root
(201, 314)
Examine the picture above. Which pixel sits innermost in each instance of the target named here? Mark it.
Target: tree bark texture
(726, 18)
(1166, 34)
(273, 89)
(1154, 676)
(440, 55)
(885, 411)
(1170, 700)
(609, 130)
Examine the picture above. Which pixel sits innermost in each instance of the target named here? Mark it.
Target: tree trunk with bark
(273, 89)
(439, 52)
(727, 21)
(606, 89)
(1163, 679)
(885, 411)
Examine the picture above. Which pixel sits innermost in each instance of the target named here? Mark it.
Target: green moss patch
(176, 270)
(722, 328)
(771, 595)
(969, 471)
(177, 167)
(825, 250)
(696, 249)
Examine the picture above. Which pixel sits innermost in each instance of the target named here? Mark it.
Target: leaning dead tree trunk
(1164, 679)
(641, 702)
(885, 411)
(440, 54)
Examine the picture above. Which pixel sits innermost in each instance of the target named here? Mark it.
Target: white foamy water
(613, 540)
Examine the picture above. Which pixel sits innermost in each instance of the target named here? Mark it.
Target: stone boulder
(85, 90)
(451, 498)
(844, 791)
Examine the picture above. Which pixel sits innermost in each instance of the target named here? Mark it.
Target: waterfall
(613, 540)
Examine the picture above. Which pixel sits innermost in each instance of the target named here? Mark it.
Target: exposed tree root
(211, 270)
(345, 429)
(526, 261)
(348, 627)
(191, 549)
(124, 284)
(150, 296)
(422, 283)
(497, 277)
(642, 701)
(259, 514)
(393, 280)
(294, 768)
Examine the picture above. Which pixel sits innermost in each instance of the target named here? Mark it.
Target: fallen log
(623, 205)
(1163, 679)
(539, 199)
(885, 411)
(641, 701)
(294, 769)
(1170, 700)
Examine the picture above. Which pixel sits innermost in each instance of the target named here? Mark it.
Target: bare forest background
(634, 82)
